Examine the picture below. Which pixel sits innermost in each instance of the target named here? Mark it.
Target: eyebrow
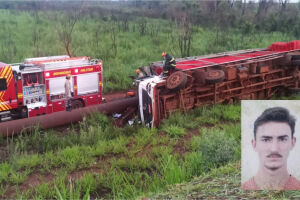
(266, 137)
(270, 137)
(283, 136)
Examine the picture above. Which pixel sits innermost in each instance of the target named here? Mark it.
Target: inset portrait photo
(270, 145)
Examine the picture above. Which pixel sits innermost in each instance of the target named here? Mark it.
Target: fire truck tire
(176, 81)
(77, 104)
(214, 76)
(295, 62)
(23, 112)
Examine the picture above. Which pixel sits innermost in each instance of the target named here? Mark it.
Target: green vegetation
(129, 165)
(125, 165)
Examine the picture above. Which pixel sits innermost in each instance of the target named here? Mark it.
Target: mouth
(274, 156)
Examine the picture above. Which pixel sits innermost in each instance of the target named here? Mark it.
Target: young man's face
(273, 144)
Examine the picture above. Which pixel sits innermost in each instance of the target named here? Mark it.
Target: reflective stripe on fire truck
(100, 83)
(47, 92)
(75, 87)
(20, 95)
(6, 72)
(4, 106)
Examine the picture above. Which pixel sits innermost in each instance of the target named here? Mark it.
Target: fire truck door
(8, 97)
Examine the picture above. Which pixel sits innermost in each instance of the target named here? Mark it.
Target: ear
(253, 142)
(293, 142)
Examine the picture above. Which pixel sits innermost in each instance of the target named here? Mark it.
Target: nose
(275, 146)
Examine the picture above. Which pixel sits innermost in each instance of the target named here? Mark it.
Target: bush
(216, 147)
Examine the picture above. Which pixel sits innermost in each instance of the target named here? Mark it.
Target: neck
(272, 179)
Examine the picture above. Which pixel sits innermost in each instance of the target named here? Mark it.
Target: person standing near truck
(139, 73)
(169, 64)
(68, 94)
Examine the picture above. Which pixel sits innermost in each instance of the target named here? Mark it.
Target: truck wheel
(176, 81)
(77, 104)
(23, 112)
(214, 76)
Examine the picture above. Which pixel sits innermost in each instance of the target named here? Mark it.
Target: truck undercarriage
(226, 78)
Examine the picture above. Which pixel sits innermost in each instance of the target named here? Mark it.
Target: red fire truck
(36, 87)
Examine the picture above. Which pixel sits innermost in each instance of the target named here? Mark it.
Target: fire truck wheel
(214, 76)
(176, 81)
(77, 104)
(23, 113)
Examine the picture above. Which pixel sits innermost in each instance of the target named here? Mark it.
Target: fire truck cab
(36, 87)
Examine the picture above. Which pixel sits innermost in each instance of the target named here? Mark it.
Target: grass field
(94, 159)
(98, 160)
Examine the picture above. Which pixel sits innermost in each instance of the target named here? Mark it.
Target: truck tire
(214, 76)
(77, 104)
(176, 81)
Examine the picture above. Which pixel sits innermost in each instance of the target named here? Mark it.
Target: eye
(283, 139)
(266, 139)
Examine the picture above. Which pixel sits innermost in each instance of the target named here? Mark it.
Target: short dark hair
(275, 114)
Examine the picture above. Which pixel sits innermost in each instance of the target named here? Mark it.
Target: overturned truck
(220, 78)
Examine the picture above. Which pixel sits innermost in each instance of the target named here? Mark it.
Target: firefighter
(139, 73)
(68, 94)
(169, 64)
